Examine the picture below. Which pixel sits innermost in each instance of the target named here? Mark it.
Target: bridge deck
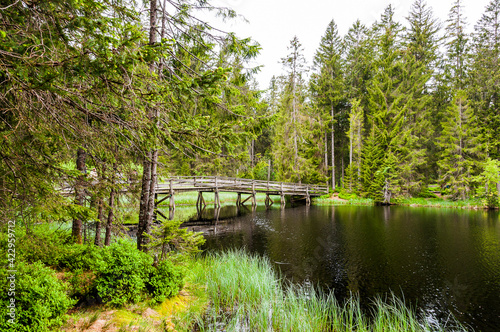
(248, 186)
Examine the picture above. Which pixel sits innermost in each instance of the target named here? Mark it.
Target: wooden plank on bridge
(247, 186)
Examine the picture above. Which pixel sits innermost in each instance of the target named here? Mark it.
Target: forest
(92, 95)
(102, 97)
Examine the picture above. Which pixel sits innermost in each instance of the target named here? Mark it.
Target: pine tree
(461, 147)
(387, 106)
(485, 76)
(328, 84)
(421, 58)
(359, 54)
(422, 37)
(355, 134)
(457, 46)
(372, 160)
(290, 120)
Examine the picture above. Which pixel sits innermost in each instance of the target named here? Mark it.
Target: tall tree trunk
(359, 152)
(100, 221)
(326, 151)
(152, 197)
(294, 113)
(111, 214)
(269, 170)
(252, 152)
(101, 175)
(351, 138)
(146, 209)
(81, 156)
(333, 151)
(143, 206)
(342, 171)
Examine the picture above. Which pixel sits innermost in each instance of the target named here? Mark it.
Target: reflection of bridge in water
(217, 184)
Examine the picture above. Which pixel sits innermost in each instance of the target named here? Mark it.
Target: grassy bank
(335, 200)
(234, 291)
(473, 203)
(239, 292)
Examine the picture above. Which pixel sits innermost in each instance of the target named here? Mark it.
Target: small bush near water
(115, 275)
(245, 294)
(122, 273)
(41, 300)
(165, 281)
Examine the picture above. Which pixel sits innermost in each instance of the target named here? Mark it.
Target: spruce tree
(372, 160)
(355, 134)
(421, 58)
(457, 47)
(484, 90)
(388, 109)
(291, 119)
(327, 85)
(461, 146)
(359, 55)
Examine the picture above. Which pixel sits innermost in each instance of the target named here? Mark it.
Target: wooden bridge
(217, 184)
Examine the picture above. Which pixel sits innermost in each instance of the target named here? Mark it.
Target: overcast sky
(273, 23)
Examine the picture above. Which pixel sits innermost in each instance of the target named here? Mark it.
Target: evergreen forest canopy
(392, 108)
(100, 96)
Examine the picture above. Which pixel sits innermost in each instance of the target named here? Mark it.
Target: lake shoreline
(212, 297)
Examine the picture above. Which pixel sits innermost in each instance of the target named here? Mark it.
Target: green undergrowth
(243, 293)
(328, 200)
(472, 203)
(190, 198)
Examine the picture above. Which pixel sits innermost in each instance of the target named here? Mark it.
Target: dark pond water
(442, 260)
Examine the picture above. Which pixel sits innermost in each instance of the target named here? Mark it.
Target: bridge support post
(201, 201)
(254, 198)
(268, 201)
(283, 202)
(308, 197)
(216, 199)
(238, 200)
(216, 195)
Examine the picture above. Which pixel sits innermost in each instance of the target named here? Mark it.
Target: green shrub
(343, 194)
(82, 283)
(42, 244)
(426, 193)
(165, 281)
(491, 199)
(81, 257)
(41, 300)
(122, 273)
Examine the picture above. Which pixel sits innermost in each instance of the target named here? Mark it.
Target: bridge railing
(235, 184)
